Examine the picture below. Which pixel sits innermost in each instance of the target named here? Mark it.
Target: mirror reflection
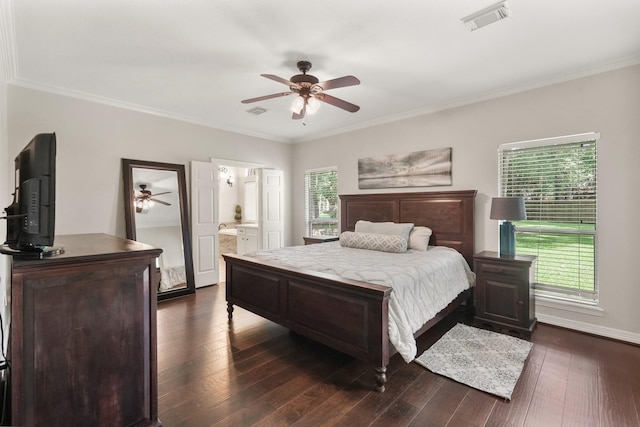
(156, 212)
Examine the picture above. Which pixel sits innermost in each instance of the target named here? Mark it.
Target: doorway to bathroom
(233, 202)
(231, 189)
(235, 206)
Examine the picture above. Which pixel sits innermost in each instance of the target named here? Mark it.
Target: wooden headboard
(448, 213)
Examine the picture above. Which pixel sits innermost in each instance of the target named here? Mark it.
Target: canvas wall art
(426, 168)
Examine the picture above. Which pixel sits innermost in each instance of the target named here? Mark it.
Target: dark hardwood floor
(254, 372)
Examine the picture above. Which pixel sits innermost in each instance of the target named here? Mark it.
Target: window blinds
(558, 181)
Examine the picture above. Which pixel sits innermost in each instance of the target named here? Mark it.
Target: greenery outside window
(557, 177)
(321, 202)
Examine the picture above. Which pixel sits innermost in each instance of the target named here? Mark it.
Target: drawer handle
(521, 302)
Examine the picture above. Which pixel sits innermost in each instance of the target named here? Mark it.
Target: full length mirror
(156, 213)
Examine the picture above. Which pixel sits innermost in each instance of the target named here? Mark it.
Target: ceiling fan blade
(300, 115)
(281, 80)
(337, 102)
(161, 202)
(262, 98)
(166, 192)
(339, 82)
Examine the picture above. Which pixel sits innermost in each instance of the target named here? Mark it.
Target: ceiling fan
(145, 199)
(310, 90)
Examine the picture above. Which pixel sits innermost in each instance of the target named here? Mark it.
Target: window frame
(308, 220)
(549, 145)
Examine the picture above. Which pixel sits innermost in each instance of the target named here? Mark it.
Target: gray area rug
(484, 360)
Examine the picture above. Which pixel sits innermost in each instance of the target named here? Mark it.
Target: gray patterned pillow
(373, 241)
(400, 229)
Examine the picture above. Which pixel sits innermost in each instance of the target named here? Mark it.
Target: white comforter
(172, 276)
(423, 282)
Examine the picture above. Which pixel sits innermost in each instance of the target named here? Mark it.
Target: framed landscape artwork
(426, 168)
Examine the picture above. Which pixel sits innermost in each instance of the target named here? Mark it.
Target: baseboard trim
(589, 328)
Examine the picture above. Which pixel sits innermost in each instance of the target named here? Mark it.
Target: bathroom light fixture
(486, 16)
(224, 174)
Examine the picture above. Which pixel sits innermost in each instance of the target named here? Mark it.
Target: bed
(171, 277)
(349, 315)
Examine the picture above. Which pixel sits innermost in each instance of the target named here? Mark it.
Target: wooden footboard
(347, 315)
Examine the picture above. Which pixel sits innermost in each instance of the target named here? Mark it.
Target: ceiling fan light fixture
(297, 105)
(486, 16)
(142, 206)
(308, 91)
(313, 105)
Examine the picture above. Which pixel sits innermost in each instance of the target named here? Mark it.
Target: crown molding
(623, 63)
(28, 84)
(461, 102)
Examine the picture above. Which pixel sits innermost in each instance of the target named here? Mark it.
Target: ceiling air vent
(487, 16)
(256, 111)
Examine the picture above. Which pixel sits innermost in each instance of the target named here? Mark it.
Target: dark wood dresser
(83, 335)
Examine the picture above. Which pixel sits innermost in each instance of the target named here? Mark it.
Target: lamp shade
(508, 208)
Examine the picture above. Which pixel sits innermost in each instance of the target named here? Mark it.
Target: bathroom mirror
(156, 213)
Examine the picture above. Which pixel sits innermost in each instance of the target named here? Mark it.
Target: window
(557, 179)
(321, 202)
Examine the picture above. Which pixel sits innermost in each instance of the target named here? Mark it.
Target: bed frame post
(230, 310)
(381, 378)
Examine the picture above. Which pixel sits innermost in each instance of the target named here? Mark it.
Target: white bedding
(423, 282)
(171, 277)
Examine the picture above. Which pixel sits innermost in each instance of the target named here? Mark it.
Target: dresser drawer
(483, 267)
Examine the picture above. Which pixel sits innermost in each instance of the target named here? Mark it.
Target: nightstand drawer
(499, 268)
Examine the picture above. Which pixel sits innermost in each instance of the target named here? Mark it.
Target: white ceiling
(196, 59)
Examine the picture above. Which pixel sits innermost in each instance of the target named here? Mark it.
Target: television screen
(31, 216)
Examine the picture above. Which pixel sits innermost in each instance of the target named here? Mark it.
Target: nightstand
(504, 292)
(319, 239)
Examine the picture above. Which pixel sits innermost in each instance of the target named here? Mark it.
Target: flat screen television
(31, 216)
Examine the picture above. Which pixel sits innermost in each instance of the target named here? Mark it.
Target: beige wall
(92, 139)
(608, 103)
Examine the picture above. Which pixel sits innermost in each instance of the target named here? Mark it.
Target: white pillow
(400, 229)
(373, 242)
(419, 238)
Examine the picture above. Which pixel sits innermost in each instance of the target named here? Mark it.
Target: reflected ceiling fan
(144, 200)
(310, 91)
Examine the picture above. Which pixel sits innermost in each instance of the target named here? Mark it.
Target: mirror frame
(127, 173)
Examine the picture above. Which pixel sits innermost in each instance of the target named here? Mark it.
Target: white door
(271, 205)
(204, 222)
(251, 199)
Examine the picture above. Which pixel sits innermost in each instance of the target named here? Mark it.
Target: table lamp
(507, 209)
